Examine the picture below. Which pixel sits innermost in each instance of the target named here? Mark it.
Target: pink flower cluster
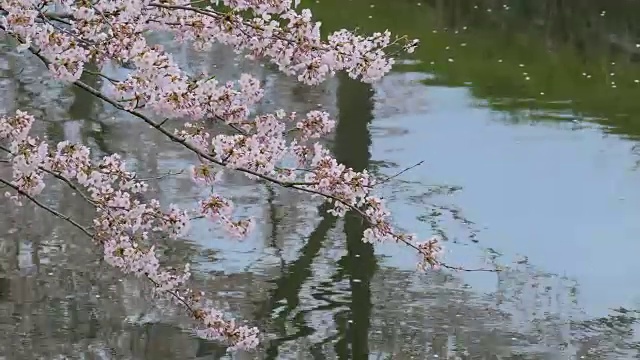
(122, 226)
(67, 35)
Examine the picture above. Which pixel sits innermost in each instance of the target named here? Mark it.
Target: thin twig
(47, 208)
(401, 172)
(457, 268)
(169, 173)
(99, 74)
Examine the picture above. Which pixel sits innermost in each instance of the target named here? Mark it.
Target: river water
(526, 117)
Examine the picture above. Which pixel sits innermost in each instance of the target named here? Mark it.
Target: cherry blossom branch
(293, 185)
(43, 16)
(196, 313)
(233, 18)
(99, 32)
(64, 179)
(120, 226)
(87, 232)
(178, 140)
(426, 250)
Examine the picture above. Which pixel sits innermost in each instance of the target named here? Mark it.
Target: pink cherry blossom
(68, 35)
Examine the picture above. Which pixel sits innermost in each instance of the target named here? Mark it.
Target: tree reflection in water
(58, 301)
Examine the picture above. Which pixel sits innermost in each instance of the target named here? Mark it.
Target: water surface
(525, 115)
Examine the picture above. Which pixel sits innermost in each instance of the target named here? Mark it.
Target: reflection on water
(553, 201)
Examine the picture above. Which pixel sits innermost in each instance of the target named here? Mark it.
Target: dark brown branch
(48, 209)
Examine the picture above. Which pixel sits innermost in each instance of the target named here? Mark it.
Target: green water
(525, 115)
